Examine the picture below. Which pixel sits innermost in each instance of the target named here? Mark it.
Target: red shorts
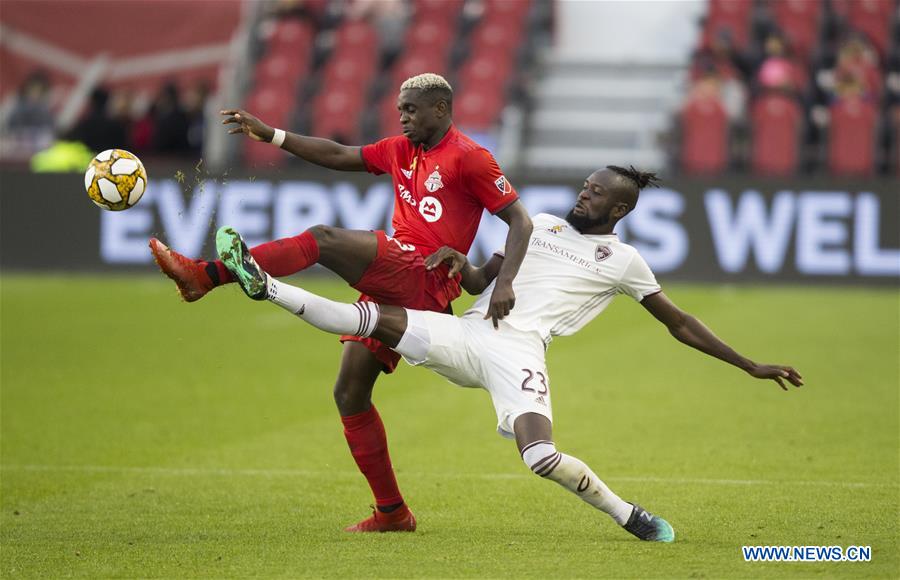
(397, 276)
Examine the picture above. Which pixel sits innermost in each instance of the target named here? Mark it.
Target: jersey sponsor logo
(602, 253)
(431, 208)
(556, 229)
(405, 195)
(412, 167)
(434, 183)
(503, 185)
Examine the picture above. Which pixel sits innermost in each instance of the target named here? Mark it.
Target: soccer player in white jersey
(572, 270)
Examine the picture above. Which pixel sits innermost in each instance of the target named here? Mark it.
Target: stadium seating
(704, 143)
(338, 64)
(851, 145)
(799, 21)
(835, 49)
(776, 123)
(731, 16)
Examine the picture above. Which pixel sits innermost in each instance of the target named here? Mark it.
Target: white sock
(357, 319)
(571, 473)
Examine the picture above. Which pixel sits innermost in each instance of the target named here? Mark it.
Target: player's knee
(351, 398)
(322, 233)
(541, 457)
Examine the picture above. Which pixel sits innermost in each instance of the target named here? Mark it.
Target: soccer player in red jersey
(442, 183)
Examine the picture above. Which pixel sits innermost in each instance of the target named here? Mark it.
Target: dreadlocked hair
(641, 178)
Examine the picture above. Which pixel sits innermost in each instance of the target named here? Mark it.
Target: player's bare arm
(503, 299)
(322, 152)
(694, 333)
(474, 279)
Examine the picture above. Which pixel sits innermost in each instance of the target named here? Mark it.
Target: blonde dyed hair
(426, 82)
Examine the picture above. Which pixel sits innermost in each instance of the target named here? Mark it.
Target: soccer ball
(115, 179)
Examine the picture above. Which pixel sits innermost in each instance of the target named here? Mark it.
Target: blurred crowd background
(762, 87)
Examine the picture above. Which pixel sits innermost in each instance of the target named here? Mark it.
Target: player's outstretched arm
(473, 279)
(503, 299)
(322, 152)
(694, 333)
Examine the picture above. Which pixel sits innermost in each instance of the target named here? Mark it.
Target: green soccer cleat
(236, 256)
(648, 527)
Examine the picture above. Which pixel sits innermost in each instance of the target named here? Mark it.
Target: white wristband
(278, 137)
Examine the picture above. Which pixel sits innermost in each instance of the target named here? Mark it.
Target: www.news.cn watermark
(806, 553)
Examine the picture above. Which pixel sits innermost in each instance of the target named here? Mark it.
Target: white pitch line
(225, 472)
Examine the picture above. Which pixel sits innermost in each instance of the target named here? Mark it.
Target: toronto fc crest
(434, 183)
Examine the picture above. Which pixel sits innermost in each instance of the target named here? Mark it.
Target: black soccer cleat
(648, 527)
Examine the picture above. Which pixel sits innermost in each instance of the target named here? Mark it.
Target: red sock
(279, 258)
(368, 445)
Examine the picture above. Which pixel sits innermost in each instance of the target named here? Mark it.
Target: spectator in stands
(171, 134)
(778, 70)
(195, 108)
(389, 18)
(857, 59)
(142, 133)
(722, 55)
(31, 123)
(97, 128)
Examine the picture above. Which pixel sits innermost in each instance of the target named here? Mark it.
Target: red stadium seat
(852, 137)
(799, 21)
(336, 114)
(281, 71)
(497, 37)
(356, 36)
(412, 64)
(776, 123)
(872, 18)
(704, 139)
(274, 108)
(730, 15)
(430, 35)
(444, 10)
(354, 70)
(291, 33)
(510, 11)
(478, 107)
(487, 68)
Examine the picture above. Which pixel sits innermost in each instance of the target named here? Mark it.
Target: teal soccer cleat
(236, 256)
(648, 527)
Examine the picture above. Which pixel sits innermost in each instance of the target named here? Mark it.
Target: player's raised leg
(535, 442)
(345, 252)
(386, 323)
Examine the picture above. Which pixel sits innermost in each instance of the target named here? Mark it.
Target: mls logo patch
(503, 185)
(434, 183)
(602, 253)
(431, 209)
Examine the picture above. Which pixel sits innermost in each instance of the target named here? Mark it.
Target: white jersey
(568, 278)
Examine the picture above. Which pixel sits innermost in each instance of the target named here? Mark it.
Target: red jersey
(439, 193)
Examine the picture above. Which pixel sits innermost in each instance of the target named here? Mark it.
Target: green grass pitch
(143, 437)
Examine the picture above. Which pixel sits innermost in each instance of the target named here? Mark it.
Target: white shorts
(508, 363)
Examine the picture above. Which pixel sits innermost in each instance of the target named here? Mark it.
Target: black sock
(213, 273)
(386, 509)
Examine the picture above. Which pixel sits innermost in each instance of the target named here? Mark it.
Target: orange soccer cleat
(399, 520)
(191, 278)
